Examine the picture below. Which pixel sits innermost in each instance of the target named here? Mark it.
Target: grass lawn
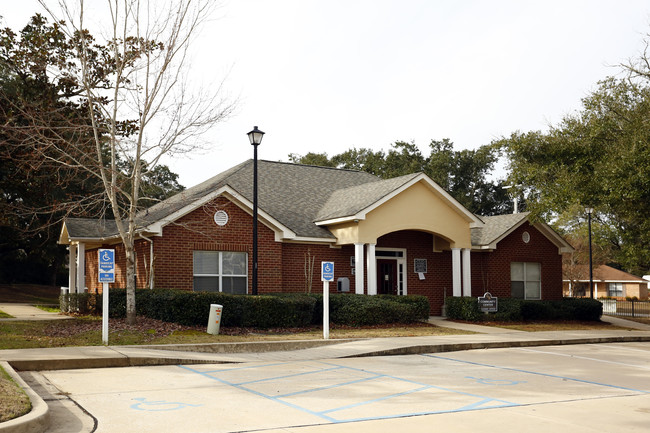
(4, 315)
(86, 331)
(555, 326)
(13, 400)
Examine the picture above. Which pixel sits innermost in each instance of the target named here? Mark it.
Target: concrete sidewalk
(29, 312)
(484, 337)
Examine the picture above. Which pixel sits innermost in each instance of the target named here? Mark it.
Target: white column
(358, 277)
(72, 268)
(455, 271)
(595, 290)
(467, 273)
(81, 267)
(372, 270)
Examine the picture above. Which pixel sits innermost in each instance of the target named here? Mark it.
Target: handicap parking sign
(327, 271)
(106, 266)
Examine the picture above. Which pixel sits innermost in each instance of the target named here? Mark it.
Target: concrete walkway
(29, 312)
(484, 337)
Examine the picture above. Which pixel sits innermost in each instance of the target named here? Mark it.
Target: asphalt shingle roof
(295, 195)
(605, 273)
(349, 201)
(495, 227)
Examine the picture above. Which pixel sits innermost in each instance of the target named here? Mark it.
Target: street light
(255, 137)
(591, 267)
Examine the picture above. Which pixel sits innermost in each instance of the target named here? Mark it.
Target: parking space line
(538, 373)
(586, 358)
(375, 400)
(338, 385)
(288, 376)
(327, 414)
(247, 367)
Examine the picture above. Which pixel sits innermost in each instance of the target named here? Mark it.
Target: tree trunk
(130, 284)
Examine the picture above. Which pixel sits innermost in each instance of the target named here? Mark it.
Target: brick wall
(491, 270)
(173, 252)
(142, 252)
(295, 256)
(282, 265)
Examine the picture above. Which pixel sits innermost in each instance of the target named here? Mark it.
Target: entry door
(387, 277)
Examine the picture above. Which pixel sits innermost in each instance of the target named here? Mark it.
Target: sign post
(326, 275)
(106, 275)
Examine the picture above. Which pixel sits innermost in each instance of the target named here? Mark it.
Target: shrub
(287, 310)
(419, 304)
(538, 310)
(510, 309)
(586, 309)
(463, 308)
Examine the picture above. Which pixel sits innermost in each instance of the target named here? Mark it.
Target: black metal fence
(615, 307)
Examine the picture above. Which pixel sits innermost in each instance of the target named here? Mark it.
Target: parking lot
(585, 387)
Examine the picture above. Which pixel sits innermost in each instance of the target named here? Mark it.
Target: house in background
(399, 236)
(608, 282)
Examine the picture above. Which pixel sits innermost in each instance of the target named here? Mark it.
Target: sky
(327, 76)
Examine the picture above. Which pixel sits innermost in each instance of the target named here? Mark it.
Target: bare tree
(137, 101)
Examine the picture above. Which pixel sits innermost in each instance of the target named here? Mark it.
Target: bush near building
(264, 311)
(517, 310)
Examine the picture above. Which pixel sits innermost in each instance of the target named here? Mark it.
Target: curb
(249, 347)
(120, 359)
(457, 347)
(37, 420)
(79, 363)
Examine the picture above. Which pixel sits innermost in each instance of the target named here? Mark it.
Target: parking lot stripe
(538, 373)
(328, 414)
(586, 358)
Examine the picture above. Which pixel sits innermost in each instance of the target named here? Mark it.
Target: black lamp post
(591, 267)
(255, 137)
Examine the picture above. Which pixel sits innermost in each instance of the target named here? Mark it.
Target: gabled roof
(604, 273)
(89, 229)
(299, 201)
(496, 228)
(355, 202)
(289, 195)
(349, 201)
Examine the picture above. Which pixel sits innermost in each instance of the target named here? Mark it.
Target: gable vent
(221, 218)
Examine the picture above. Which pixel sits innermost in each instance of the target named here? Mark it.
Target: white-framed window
(221, 271)
(615, 289)
(525, 280)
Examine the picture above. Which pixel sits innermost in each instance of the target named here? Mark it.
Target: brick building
(608, 283)
(402, 236)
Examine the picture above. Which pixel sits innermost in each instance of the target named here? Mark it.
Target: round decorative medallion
(525, 236)
(221, 218)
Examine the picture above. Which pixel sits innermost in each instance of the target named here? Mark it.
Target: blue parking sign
(327, 271)
(106, 266)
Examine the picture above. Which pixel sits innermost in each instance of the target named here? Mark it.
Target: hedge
(510, 309)
(285, 310)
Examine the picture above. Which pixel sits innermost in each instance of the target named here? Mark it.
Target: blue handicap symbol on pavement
(160, 406)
